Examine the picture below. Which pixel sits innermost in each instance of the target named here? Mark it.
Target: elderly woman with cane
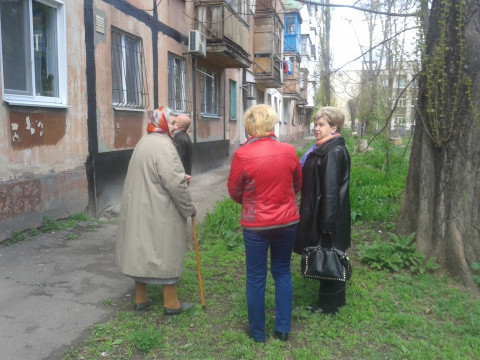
(264, 177)
(152, 227)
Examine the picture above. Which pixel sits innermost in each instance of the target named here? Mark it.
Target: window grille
(129, 87)
(177, 76)
(210, 93)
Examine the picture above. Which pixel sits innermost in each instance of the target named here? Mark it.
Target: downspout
(155, 57)
(91, 106)
(194, 93)
(224, 107)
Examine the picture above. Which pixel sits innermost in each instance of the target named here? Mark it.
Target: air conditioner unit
(196, 43)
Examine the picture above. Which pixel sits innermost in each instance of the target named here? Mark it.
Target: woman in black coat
(325, 205)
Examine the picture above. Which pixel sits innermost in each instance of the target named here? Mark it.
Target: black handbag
(325, 263)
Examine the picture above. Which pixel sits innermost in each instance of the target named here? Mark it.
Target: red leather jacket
(264, 177)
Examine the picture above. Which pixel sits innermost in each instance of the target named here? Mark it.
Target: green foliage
(108, 302)
(476, 275)
(223, 224)
(395, 255)
(375, 187)
(145, 340)
(15, 238)
(50, 224)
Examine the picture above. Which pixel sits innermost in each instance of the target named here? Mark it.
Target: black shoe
(144, 306)
(318, 310)
(183, 307)
(282, 336)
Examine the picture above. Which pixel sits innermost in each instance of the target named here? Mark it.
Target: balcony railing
(218, 21)
(269, 6)
(292, 43)
(267, 69)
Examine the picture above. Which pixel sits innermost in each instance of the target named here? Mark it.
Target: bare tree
(441, 201)
(324, 95)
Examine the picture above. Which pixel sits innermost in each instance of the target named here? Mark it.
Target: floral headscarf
(158, 121)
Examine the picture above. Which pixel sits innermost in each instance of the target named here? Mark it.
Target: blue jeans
(257, 242)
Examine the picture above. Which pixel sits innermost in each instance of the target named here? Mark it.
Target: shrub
(395, 255)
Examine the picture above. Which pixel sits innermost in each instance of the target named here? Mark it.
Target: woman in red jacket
(264, 177)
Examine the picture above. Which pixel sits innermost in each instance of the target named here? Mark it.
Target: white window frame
(35, 100)
(178, 104)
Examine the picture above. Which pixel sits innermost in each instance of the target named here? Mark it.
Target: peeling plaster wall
(43, 150)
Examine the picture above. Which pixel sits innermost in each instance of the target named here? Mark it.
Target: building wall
(43, 150)
(61, 161)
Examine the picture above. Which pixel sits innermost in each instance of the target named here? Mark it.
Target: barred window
(129, 87)
(210, 93)
(177, 99)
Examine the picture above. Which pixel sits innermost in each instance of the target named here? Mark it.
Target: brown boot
(142, 302)
(171, 304)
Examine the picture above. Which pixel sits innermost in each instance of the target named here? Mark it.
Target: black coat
(184, 147)
(325, 203)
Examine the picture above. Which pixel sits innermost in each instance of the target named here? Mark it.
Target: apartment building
(81, 78)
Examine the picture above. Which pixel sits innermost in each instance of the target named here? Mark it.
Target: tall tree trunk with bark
(441, 201)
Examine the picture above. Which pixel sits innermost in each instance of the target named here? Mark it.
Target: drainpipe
(194, 93)
(224, 107)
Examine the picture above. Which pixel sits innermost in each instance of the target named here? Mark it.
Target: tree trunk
(441, 201)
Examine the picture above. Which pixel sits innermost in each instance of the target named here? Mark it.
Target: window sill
(210, 116)
(36, 104)
(118, 108)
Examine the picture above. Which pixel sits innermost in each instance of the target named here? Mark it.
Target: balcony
(292, 43)
(267, 70)
(226, 32)
(269, 6)
(292, 82)
(267, 63)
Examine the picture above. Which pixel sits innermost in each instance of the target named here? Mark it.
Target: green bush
(395, 255)
(476, 275)
(145, 340)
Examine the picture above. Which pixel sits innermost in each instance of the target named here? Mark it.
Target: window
(401, 102)
(290, 24)
(240, 7)
(210, 93)
(233, 100)
(304, 47)
(33, 52)
(302, 79)
(401, 82)
(177, 99)
(128, 71)
(399, 120)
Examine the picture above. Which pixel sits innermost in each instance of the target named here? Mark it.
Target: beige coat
(156, 203)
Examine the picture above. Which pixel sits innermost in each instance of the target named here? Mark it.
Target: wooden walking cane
(198, 263)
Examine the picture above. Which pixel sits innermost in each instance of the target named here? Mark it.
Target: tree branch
(415, 14)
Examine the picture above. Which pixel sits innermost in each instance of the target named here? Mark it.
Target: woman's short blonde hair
(333, 116)
(260, 120)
